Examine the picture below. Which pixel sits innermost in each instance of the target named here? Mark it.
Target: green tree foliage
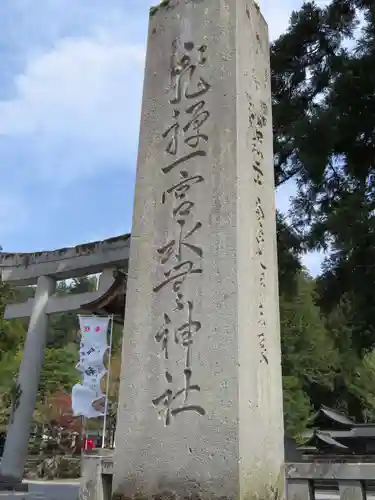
(59, 372)
(289, 249)
(303, 331)
(297, 407)
(12, 337)
(309, 358)
(361, 385)
(12, 333)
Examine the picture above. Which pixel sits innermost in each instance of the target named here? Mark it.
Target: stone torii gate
(44, 269)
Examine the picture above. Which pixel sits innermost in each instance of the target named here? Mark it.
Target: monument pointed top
(171, 4)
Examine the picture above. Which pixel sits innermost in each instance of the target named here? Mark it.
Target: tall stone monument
(200, 409)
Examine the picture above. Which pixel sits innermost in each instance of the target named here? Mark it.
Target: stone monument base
(10, 489)
(96, 476)
(14, 495)
(11, 484)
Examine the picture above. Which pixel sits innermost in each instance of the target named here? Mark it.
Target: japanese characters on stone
(185, 138)
(257, 122)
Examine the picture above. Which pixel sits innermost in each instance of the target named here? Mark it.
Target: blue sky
(71, 75)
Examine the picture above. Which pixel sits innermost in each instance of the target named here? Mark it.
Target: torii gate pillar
(15, 452)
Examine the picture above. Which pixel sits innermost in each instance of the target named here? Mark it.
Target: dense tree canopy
(324, 122)
(324, 108)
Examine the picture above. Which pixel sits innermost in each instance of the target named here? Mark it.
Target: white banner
(88, 399)
(93, 341)
(86, 403)
(93, 334)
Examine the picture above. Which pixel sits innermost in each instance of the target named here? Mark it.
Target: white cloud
(77, 107)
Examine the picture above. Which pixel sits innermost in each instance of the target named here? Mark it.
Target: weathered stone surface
(64, 263)
(330, 471)
(16, 445)
(200, 400)
(9, 484)
(96, 483)
(58, 303)
(14, 495)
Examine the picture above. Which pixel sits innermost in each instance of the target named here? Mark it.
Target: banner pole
(83, 420)
(83, 435)
(108, 380)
